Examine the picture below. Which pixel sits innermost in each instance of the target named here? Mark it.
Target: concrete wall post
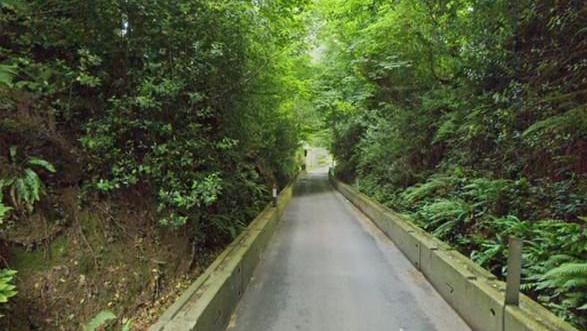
(512, 293)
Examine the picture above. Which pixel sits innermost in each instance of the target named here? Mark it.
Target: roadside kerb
(475, 294)
(210, 300)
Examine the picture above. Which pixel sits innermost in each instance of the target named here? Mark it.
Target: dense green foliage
(469, 116)
(191, 102)
(191, 105)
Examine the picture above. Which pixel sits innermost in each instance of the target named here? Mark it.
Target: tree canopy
(468, 116)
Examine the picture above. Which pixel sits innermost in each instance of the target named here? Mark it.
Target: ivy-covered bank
(470, 117)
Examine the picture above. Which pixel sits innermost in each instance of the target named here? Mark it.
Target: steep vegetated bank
(136, 139)
(470, 117)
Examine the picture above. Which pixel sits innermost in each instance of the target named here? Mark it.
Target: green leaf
(127, 325)
(7, 290)
(4, 210)
(13, 151)
(13, 4)
(99, 320)
(22, 194)
(7, 74)
(41, 163)
(34, 185)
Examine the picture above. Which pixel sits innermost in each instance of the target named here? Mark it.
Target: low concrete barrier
(209, 302)
(476, 295)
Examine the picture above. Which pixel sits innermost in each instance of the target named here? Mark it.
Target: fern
(487, 193)
(7, 289)
(7, 73)
(23, 184)
(33, 187)
(434, 186)
(41, 163)
(4, 210)
(489, 251)
(573, 120)
(564, 288)
(444, 215)
(19, 192)
(567, 276)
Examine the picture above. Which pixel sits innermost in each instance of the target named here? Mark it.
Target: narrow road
(328, 268)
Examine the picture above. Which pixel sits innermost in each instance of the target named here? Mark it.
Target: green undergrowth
(478, 215)
(190, 111)
(470, 117)
(39, 259)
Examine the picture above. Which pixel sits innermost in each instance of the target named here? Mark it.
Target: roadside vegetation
(137, 138)
(470, 117)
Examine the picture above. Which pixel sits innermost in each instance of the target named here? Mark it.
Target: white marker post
(274, 195)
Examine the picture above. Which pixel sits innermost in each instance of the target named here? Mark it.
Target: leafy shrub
(470, 116)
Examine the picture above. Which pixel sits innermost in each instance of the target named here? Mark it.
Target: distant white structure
(318, 159)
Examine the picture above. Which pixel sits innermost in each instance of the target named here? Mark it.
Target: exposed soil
(103, 256)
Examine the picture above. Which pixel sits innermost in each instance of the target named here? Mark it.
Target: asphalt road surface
(329, 268)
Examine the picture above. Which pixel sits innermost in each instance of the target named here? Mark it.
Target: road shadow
(312, 183)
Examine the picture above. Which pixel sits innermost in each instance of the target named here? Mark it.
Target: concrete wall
(209, 302)
(472, 291)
